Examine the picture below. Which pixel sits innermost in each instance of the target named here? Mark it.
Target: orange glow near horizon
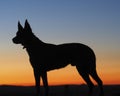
(68, 75)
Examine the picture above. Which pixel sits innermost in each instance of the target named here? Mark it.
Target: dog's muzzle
(15, 41)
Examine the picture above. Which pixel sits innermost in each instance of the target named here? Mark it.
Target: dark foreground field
(66, 90)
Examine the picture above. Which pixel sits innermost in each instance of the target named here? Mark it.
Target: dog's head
(23, 35)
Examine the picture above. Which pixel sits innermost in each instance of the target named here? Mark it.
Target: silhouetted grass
(63, 90)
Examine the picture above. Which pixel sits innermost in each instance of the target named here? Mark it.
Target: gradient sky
(95, 23)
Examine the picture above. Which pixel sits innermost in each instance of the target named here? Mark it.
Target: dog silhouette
(45, 57)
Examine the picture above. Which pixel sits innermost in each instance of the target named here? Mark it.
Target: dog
(45, 57)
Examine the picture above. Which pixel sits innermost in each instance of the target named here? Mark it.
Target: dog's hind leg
(98, 80)
(85, 76)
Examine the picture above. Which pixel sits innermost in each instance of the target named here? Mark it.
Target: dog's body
(45, 57)
(52, 56)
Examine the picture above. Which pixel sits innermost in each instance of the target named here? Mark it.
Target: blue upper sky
(63, 20)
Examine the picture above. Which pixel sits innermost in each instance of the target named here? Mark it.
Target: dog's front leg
(37, 81)
(45, 82)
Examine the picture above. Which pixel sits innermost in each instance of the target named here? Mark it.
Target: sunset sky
(95, 23)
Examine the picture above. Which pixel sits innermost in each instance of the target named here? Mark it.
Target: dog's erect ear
(20, 28)
(27, 26)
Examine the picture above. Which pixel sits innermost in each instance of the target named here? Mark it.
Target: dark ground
(64, 90)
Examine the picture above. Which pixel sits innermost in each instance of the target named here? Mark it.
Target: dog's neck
(33, 43)
(25, 46)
